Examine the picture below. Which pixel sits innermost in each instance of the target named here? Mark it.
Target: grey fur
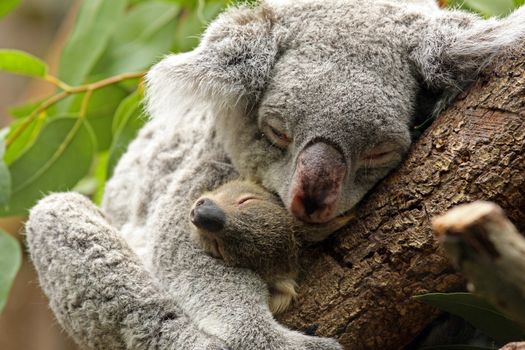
(344, 71)
(100, 292)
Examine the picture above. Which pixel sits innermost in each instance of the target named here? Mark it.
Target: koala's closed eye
(275, 131)
(380, 155)
(246, 199)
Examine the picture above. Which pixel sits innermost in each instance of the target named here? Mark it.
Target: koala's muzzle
(316, 184)
(206, 215)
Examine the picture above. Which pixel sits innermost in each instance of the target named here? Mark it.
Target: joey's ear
(457, 45)
(231, 66)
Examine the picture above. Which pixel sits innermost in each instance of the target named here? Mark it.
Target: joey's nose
(207, 215)
(316, 184)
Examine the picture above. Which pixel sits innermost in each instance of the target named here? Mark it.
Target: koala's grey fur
(345, 71)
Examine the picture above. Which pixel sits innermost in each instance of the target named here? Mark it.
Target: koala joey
(248, 226)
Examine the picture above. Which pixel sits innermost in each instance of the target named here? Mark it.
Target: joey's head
(316, 99)
(247, 226)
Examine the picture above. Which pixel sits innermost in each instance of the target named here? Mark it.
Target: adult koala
(315, 99)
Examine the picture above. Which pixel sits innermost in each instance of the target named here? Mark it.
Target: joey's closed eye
(276, 133)
(246, 199)
(380, 155)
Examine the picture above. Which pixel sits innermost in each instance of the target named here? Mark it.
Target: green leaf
(188, 32)
(24, 140)
(143, 36)
(24, 109)
(19, 62)
(519, 3)
(5, 175)
(10, 261)
(490, 8)
(57, 160)
(101, 109)
(101, 176)
(191, 26)
(478, 312)
(96, 22)
(7, 6)
(127, 107)
(128, 121)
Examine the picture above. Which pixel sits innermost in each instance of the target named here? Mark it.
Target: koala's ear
(457, 45)
(231, 66)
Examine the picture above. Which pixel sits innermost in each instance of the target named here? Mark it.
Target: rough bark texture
(358, 286)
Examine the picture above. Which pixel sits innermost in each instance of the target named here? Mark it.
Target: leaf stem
(69, 90)
(105, 82)
(57, 82)
(85, 104)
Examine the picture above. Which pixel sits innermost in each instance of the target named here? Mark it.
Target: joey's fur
(282, 93)
(255, 231)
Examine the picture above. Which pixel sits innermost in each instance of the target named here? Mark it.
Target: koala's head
(248, 226)
(315, 99)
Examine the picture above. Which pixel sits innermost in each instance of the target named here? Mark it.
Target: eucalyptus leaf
(142, 37)
(487, 8)
(24, 140)
(490, 8)
(100, 111)
(58, 159)
(128, 121)
(5, 175)
(19, 62)
(192, 24)
(96, 22)
(7, 6)
(127, 107)
(25, 109)
(101, 176)
(478, 312)
(10, 261)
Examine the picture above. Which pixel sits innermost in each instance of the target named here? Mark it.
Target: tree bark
(359, 285)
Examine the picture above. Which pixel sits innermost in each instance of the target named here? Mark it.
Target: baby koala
(247, 226)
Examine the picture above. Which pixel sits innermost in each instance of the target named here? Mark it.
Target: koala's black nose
(207, 215)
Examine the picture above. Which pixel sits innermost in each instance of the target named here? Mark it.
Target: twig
(488, 249)
(68, 90)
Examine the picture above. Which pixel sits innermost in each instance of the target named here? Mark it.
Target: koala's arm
(229, 303)
(97, 288)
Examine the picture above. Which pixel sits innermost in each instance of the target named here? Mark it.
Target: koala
(313, 99)
(247, 226)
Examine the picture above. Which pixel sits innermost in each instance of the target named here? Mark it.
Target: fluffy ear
(457, 45)
(231, 66)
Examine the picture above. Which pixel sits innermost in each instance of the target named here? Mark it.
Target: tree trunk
(359, 286)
